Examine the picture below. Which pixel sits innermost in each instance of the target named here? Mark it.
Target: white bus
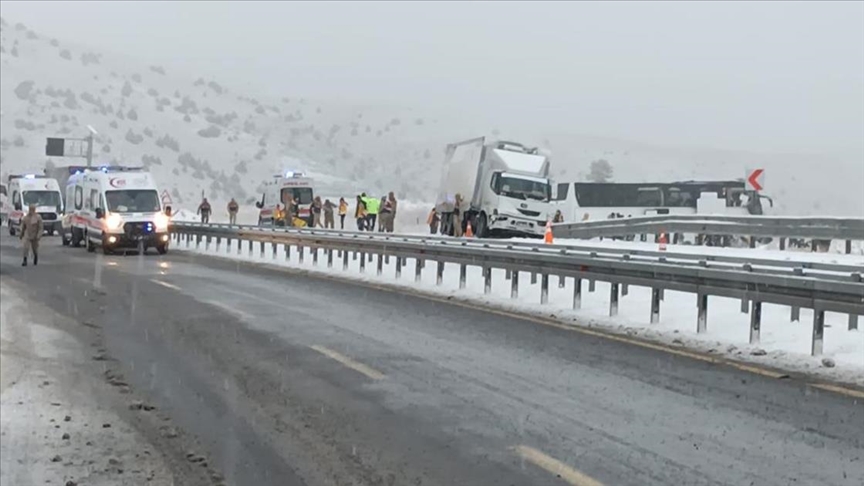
(590, 201)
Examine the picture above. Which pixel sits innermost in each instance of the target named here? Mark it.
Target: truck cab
(44, 192)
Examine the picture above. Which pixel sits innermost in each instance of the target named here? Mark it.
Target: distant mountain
(197, 134)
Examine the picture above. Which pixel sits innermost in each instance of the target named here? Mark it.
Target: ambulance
(4, 197)
(115, 208)
(276, 191)
(44, 192)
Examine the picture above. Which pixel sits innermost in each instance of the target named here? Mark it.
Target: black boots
(35, 259)
(24, 264)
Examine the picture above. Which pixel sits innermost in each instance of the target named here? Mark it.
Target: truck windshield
(132, 201)
(523, 188)
(42, 198)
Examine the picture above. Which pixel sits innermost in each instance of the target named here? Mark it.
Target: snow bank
(787, 344)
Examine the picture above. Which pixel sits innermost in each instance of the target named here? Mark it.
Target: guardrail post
(380, 264)
(613, 299)
(287, 252)
(662, 294)
(591, 285)
(354, 256)
(533, 278)
(625, 289)
(228, 245)
(796, 314)
(207, 243)
(487, 280)
(261, 248)
(330, 258)
(463, 273)
(561, 282)
(370, 258)
(544, 288)
(344, 260)
(577, 293)
(702, 317)
(514, 284)
(655, 305)
(218, 243)
(745, 306)
(418, 269)
(853, 322)
(314, 251)
(818, 332)
(362, 263)
(848, 247)
(300, 254)
(755, 322)
(439, 275)
(197, 241)
(508, 274)
(752, 242)
(782, 244)
(386, 259)
(398, 267)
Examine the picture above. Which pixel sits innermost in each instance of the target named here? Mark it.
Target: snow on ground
(787, 343)
(43, 383)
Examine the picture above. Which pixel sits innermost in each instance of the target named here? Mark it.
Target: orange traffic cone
(469, 232)
(548, 236)
(663, 241)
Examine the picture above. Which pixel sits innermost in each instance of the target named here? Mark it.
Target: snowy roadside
(55, 427)
(783, 345)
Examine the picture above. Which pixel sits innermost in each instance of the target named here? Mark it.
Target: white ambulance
(44, 192)
(4, 196)
(277, 191)
(116, 208)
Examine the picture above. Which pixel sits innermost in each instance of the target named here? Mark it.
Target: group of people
(371, 212)
(289, 215)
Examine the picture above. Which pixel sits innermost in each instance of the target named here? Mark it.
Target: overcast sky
(767, 76)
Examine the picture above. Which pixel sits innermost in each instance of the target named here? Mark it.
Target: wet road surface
(288, 379)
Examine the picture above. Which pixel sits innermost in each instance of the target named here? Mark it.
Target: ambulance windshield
(132, 201)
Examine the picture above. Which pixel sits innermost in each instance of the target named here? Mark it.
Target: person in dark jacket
(204, 210)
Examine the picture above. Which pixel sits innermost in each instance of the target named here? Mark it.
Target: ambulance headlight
(161, 221)
(114, 221)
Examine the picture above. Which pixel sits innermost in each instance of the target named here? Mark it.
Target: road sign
(755, 179)
(166, 198)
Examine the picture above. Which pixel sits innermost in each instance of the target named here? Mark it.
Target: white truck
(504, 188)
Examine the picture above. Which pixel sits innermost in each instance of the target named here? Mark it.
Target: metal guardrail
(760, 226)
(821, 287)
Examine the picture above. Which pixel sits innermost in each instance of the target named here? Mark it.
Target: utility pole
(90, 151)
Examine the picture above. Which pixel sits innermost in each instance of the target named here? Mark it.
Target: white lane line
(354, 365)
(166, 284)
(553, 466)
(245, 316)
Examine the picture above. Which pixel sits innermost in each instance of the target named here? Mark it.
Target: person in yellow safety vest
(279, 216)
(373, 205)
(360, 214)
(343, 211)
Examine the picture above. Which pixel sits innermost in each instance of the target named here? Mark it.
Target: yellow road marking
(838, 389)
(165, 284)
(556, 324)
(345, 360)
(553, 466)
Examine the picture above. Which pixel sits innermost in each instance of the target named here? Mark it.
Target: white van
(42, 191)
(4, 196)
(115, 208)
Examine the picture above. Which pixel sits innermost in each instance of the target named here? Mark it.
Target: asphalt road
(291, 379)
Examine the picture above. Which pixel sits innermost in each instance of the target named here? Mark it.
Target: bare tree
(600, 171)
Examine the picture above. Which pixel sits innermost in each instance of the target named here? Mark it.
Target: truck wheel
(482, 224)
(11, 228)
(50, 231)
(63, 240)
(90, 246)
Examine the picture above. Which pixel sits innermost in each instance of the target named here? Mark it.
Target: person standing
(343, 210)
(432, 221)
(31, 233)
(315, 209)
(204, 210)
(391, 223)
(457, 217)
(328, 214)
(384, 215)
(233, 208)
(290, 210)
(373, 205)
(360, 214)
(558, 218)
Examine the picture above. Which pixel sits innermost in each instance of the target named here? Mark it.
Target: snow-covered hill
(197, 134)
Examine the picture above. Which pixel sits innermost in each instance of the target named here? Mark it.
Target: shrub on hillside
(55, 43)
(18, 141)
(71, 102)
(210, 132)
(132, 114)
(168, 142)
(260, 110)
(113, 124)
(158, 70)
(199, 82)
(90, 58)
(261, 154)
(136, 77)
(215, 87)
(241, 167)
(23, 90)
(148, 132)
(25, 125)
(152, 92)
(187, 118)
(187, 107)
(106, 148)
(127, 89)
(249, 126)
(65, 54)
(134, 138)
(149, 160)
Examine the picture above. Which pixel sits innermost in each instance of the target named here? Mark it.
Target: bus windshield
(132, 201)
(41, 198)
(522, 188)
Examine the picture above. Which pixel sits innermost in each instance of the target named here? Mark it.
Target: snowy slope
(226, 142)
